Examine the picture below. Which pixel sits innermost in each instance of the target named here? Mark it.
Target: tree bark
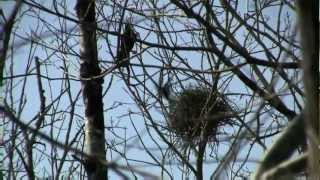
(309, 29)
(92, 92)
(201, 152)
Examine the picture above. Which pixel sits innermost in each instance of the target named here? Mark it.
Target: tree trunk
(201, 151)
(92, 92)
(309, 29)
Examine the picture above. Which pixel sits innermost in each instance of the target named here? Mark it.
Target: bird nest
(197, 113)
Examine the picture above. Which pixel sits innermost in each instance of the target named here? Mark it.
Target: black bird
(165, 90)
(127, 41)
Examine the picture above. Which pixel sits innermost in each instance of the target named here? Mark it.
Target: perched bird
(165, 90)
(127, 41)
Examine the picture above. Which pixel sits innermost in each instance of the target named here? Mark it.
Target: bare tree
(171, 89)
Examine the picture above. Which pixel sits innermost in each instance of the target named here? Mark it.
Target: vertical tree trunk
(309, 28)
(92, 91)
(201, 151)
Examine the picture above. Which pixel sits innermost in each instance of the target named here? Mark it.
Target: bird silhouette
(127, 41)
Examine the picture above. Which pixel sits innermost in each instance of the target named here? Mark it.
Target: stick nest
(196, 113)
